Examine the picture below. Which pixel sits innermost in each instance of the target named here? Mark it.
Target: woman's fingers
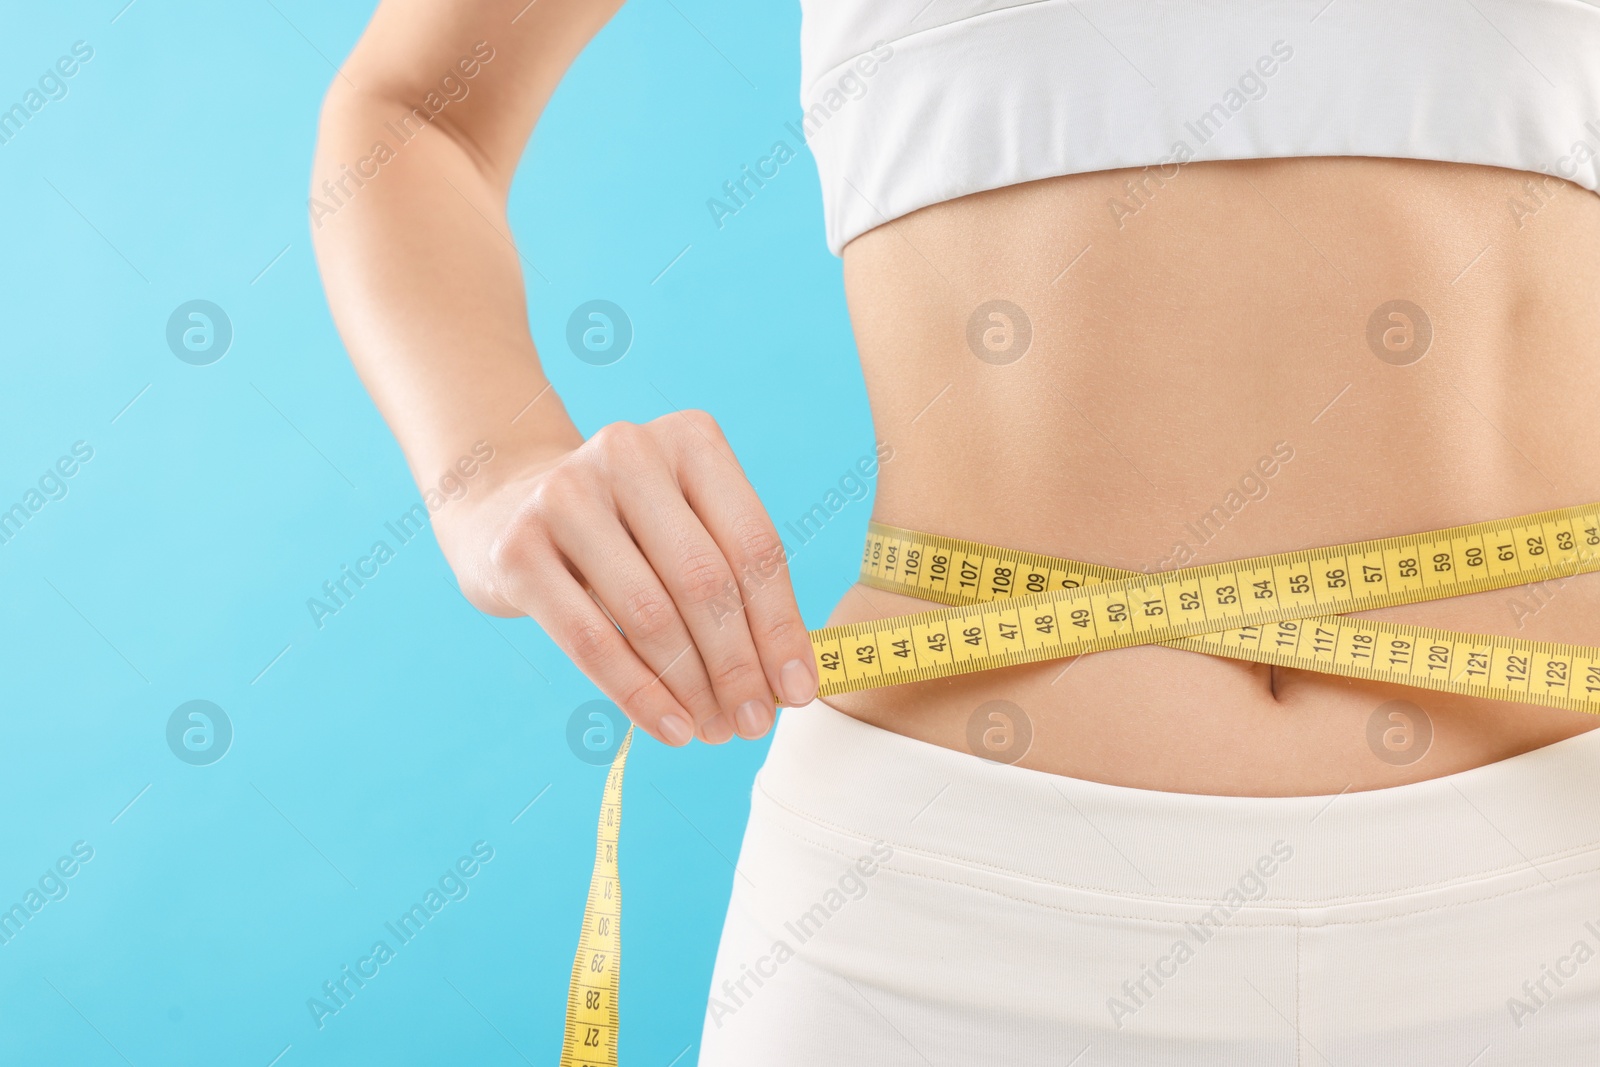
(718, 491)
(627, 585)
(700, 581)
(657, 527)
(536, 580)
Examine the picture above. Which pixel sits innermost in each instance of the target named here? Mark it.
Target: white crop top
(911, 102)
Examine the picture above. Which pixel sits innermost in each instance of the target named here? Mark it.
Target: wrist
(484, 467)
(469, 512)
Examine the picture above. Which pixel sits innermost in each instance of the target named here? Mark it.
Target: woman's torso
(1211, 372)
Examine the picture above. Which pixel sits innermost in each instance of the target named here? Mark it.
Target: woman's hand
(658, 525)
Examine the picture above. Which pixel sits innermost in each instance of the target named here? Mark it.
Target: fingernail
(799, 682)
(752, 718)
(676, 729)
(717, 730)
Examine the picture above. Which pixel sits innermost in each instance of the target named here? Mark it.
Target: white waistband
(1526, 820)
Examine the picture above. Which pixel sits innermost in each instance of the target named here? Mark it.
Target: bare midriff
(1150, 374)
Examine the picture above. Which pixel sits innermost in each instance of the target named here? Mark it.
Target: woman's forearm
(426, 287)
(634, 549)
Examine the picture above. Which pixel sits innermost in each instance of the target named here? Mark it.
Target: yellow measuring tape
(1010, 607)
(1287, 609)
(592, 1016)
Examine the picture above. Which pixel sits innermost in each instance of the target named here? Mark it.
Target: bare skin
(1223, 318)
(1170, 354)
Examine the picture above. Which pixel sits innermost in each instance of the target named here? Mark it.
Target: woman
(1142, 284)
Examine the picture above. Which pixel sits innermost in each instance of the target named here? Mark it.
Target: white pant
(900, 903)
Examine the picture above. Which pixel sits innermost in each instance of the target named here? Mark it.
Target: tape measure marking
(593, 1017)
(999, 620)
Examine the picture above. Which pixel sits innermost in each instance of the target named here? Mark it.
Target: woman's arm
(420, 136)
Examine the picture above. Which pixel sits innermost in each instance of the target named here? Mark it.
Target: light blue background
(371, 754)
